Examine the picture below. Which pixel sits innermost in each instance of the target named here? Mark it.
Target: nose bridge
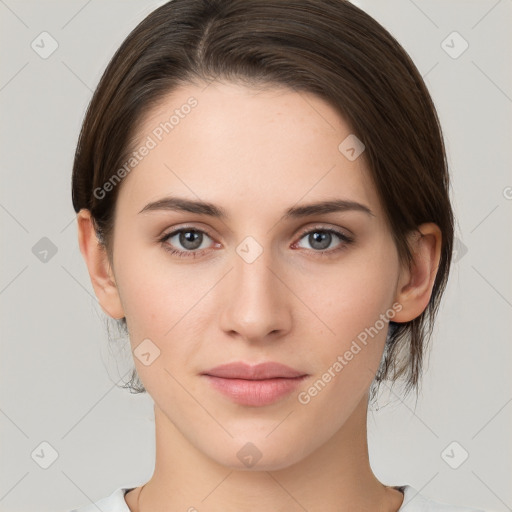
(252, 270)
(257, 304)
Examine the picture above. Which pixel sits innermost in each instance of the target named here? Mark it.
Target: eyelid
(184, 227)
(343, 232)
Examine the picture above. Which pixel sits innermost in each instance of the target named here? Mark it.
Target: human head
(329, 48)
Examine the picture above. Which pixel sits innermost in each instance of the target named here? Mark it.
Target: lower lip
(255, 392)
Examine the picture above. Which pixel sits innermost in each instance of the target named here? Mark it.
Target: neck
(335, 477)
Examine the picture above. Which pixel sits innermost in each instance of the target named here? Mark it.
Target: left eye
(320, 239)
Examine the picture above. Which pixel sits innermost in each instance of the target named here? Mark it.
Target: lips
(257, 385)
(260, 371)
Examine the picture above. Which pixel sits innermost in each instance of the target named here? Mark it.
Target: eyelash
(347, 240)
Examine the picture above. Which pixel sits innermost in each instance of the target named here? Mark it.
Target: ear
(415, 283)
(100, 271)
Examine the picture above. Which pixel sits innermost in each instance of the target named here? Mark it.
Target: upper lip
(240, 370)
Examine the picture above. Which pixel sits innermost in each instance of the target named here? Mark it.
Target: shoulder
(416, 502)
(113, 503)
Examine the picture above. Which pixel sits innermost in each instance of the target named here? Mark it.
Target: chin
(260, 455)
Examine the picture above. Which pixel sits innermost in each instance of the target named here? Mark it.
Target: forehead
(249, 149)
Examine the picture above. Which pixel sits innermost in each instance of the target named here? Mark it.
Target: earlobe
(416, 282)
(100, 271)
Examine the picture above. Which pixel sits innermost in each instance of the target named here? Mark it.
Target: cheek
(346, 362)
(160, 308)
(355, 306)
(155, 302)
(155, 292)
(351, 296)
(169, 304)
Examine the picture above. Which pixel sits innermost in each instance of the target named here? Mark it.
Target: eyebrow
(295, 212)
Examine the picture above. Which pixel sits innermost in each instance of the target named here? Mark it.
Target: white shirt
(413, 502)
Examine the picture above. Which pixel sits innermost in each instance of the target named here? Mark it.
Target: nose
(257, 303)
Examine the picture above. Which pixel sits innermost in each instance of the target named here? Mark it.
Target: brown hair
(327, 47)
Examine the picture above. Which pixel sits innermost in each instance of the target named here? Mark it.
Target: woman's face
(267, 282)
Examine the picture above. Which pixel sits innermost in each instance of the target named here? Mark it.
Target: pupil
(319, 237)
(189, 239)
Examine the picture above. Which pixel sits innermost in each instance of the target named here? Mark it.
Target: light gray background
(58, 369)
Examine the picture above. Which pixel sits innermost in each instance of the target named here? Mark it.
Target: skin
(256, 153)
